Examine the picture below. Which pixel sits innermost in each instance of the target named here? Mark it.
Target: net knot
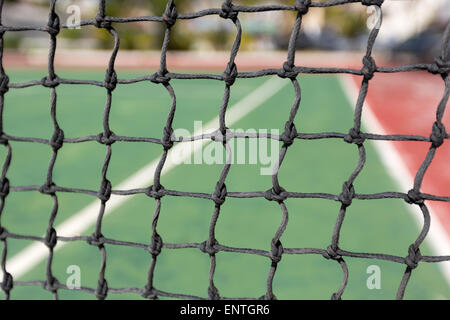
(439, 66)
(276, 251)
(287, 71)
(268, 296)
(228, 12)
(51, 284)
(335, 296)
(166, 140)
(414, 197)
(4, 187)
(160, 77)
(209, 247)
(3, 139)
(369, 67)
(213, 293)
(302, 6)
(219, 136)
(170, 14)
(289, 134)
(96, 240)
(331, 253)
(4, 84)
(347, 194)
(100, 22)
(110, 82)
(372, 2)
(3, 234)
(230, 74)
(51, 238)
(102, 289)
(50, 82)
(7, 283)
(413, 258)
(48, 188)
(438, 134)
(105, 190)
(155, 193)
(53, 25)
(156, 244)
(57, 139)
(106, 139)
(354, 136)
(272, 195)
(149, 293)
(219, 194)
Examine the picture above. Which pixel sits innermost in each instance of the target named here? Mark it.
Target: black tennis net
(219, 195)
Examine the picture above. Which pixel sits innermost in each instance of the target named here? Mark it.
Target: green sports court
(140, 110)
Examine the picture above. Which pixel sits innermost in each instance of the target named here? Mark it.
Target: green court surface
(382, 226)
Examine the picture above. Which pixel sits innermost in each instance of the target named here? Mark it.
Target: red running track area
(406, 103)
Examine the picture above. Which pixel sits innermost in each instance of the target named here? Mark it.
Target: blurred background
(411, 28)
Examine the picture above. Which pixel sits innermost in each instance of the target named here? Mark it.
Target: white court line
(437, 237)
(29, 257)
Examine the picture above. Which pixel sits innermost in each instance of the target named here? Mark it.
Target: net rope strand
(276, 192)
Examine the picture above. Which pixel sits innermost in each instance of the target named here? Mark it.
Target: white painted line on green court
(437, 238)
(35, 253)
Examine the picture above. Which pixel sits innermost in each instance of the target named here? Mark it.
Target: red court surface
(406, 103)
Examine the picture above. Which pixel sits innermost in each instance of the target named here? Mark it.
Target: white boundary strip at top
(437, 237)
(32, 255)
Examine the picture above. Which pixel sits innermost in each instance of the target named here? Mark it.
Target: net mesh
(276, 193)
